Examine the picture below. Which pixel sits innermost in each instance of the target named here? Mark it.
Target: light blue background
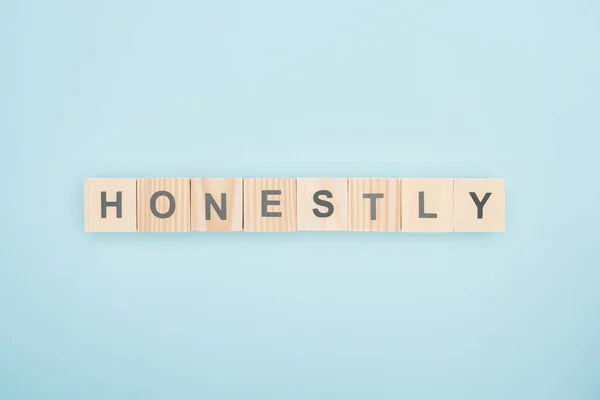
(464, 88)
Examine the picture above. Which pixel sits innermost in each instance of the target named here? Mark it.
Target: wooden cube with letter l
(110, 205)
(427, 205)
(270, 205)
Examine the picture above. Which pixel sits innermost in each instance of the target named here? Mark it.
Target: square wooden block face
(163, 204)
(216, 204)
(322, 204)
(374, 204)
(479, 205)
(110, 205)
(270, 205)
(427, 205)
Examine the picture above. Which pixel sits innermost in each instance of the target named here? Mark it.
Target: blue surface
(185, 88)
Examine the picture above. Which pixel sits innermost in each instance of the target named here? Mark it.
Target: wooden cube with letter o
(163, 204)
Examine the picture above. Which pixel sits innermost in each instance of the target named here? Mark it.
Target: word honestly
(294, 204)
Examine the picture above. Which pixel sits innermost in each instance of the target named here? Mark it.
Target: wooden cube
(427, 205)
(163, 204)
(479, 205)
(270, 205)
(216, 204)
(110, 205)
(322, 204)
(374, 204)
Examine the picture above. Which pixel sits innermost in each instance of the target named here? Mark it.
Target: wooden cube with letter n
(110, 205)
(427, 205)
(374, 204)
(269, 205)
(163, 204)
(479, 205)
(216, 204)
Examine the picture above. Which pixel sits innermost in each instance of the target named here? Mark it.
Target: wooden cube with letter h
(110, 205)
(479, 205)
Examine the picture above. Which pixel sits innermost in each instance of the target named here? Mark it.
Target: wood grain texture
(93, 189)
(180, 220)
(307, 220)
(466, 211)
(438, 198)
(253, 219)
(232, 188)
(387, 216)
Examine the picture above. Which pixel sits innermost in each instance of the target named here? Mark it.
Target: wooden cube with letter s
(322, 204)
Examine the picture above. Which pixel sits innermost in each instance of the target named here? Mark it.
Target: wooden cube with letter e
(270, 205)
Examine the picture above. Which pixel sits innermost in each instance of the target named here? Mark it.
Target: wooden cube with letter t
(270, 205)
(479, 205)
(216, 204)
(322, 204)
(163, 204)
(374, 204)
(427, 205)
(110, 205)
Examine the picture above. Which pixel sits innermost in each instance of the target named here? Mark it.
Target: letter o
(155, 197)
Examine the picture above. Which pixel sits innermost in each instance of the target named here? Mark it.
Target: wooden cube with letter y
(479, 205)
(427, 205)
(216, 204)
(110, 205)
(270, 205)
(163, 204)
